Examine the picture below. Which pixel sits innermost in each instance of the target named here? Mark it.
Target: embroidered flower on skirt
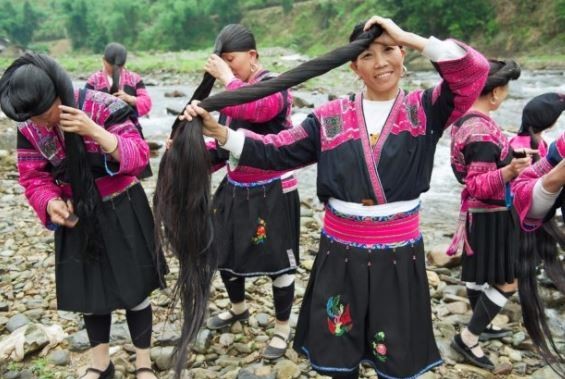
(339, 316)
(379, 347)
(261, 232)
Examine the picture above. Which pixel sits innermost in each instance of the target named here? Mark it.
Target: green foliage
(19, 22)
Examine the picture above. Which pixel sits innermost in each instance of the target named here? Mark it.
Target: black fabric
(98, 328)
(122, 277)
(140, 324)
(386, 295)
(283, 298)
(473, 296)
(542, 112)
(235, 286)
(494, 238)
(242, 214)
(485, 312)
(352, 375)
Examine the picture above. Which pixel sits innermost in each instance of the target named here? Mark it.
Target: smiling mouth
(383, 76)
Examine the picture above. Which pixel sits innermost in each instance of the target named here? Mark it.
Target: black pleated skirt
(368, 306)
(256, 229)
(495, 240)
(125, 274)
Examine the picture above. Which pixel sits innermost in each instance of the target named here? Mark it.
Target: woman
(78, 157)
(539, 114)
(125, 85)
(256, 212)
(481, 159)
(367, 298)
(538, 193)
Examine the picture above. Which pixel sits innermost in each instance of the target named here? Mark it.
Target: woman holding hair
(78, 157)
(367, 298)
(256, 212)
(481, 159)
(126, 85)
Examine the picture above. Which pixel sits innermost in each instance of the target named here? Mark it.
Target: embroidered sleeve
(91, 82)
(114, 115)
(462, 82)
(261, 110)
(289, 149)
(484, 178)
(143, 100)
(35, 178)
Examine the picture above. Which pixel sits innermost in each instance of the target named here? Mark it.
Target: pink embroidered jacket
(518, 142)
(270, 114)
(130, 83)
(399, 166)
(479, 150)
(523, 185)
(41, 152)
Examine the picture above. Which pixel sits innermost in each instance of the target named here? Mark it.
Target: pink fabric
(99, 82)
(372, 232)
(465, 77)
(247, 174)
(49, 148)
(108, 186)
(523, 188)
(281, 139)
(519, 142)
(339, 123)
(261, 110)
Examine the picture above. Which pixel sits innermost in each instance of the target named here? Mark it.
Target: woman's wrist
(222, 135)
(552, 182)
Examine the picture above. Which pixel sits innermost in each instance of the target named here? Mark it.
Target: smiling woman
(367, 298)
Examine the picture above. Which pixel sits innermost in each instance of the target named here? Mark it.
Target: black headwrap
(115, 54)
(500, 73)
(542, 112)
(29, 87)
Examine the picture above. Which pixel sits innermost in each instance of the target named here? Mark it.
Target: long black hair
(29, 87)
(181, 201)
(116, 55)
(500, 74)
(541, 246)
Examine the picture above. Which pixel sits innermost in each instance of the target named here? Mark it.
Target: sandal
(106, 374)
(458, 345)
(216, 322)
(272, 352)
(145, 369)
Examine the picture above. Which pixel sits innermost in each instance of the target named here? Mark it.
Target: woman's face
(243, 64)
(380, 68)
(50, 117)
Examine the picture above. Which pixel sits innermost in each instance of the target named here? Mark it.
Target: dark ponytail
(181, 201)
(116, 55)
(29, 87)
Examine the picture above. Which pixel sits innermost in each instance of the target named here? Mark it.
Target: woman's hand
(125, 97)
(76, 121)
(211, 127)
(61, 212)
(219, 69)
(394, 35)
(515, 168)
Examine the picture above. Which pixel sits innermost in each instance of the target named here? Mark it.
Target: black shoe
(490, 333)
(459, 346)
(106, 374)
(144, 369)
(216, 322)
(272, 352)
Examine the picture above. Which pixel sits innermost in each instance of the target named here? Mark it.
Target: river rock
(78, 341)
(35, 338)
(59, 357)
(262, 319)
(458, 307)
(226, 339)
(544, 373)
(163, 357)
(17, 321)
(175, 93)
(202, 341)
(286, 369)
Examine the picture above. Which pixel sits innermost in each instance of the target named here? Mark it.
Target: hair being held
(181, 202)
(116, 55)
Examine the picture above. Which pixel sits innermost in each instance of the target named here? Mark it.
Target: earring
(404, 71)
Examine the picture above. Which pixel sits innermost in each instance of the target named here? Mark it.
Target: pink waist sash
(358, 230)
(108, 186)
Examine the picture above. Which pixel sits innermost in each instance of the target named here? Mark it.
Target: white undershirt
(542, 201)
